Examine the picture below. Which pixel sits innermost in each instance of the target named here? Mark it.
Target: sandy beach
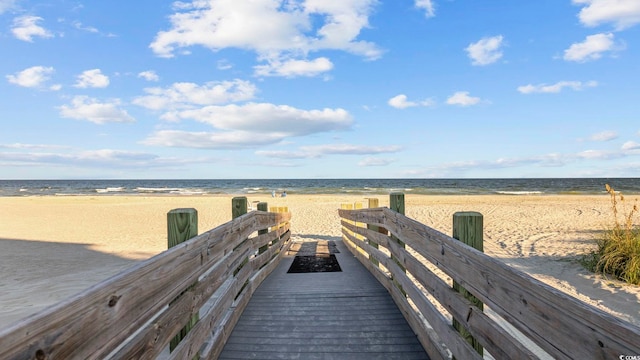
(53, 247)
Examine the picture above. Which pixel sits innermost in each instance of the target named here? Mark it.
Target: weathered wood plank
(223, 330)
(152, 339)
(264, 241)
(244, 284)
(498, 342)
(561, 325)
(100, 318)
(192, 343)
(446, 333)
(427, 337)
(322, 315)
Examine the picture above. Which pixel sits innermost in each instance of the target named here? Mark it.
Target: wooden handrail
(136, 313)
(561, 325)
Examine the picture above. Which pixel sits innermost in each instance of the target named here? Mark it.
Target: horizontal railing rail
(136, 313)
(560, 325)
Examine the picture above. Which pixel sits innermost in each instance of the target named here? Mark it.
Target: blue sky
(319, 89)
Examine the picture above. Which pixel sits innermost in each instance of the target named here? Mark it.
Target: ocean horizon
(195, 187)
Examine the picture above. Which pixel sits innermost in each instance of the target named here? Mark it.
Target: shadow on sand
(38, 274)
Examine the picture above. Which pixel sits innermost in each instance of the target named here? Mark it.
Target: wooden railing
(405, 255)
(135, 314)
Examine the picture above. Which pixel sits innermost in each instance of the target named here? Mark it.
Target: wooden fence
(405, 256)
(136, 314)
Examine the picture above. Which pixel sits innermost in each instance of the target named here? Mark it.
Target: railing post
(182, 225)
(238, 206)
(467, 227)
(372, 204)
(263, 206)
(396, 203)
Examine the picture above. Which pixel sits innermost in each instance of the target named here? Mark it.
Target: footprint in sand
(532, 241)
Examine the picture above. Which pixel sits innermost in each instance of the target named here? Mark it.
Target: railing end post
(238, 206)
(467, 227)
(396, 202)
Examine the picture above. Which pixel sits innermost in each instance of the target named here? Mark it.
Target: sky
(221, 89)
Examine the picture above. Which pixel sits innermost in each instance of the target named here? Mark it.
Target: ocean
(540, 186)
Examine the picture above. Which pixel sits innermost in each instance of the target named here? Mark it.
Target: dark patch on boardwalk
(320, 263)
(336, 315)
(314, 256)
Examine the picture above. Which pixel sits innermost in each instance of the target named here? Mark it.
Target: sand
(54, 247)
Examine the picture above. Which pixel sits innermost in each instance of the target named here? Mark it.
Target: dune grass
(618, 248)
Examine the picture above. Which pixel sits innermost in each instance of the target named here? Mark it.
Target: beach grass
(618, 247)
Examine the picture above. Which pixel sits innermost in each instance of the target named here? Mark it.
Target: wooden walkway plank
(322, 315)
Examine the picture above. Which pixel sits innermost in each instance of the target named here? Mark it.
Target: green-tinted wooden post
(396, 203)
(182, 225)
(263, 206)
(467, 227)
(238, 206)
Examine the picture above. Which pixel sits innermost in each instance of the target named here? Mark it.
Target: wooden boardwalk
(322, 315)
(236, 280)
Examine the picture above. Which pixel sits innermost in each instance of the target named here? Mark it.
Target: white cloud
(210, 140)
(630, 145)
(286, 154)
(21, 146)
(294, 68)
(486, 51)
(246, 125)
(101, 158)
(78, 25)
(26, 27)
(557, 87)
(401, 102)
(372, 161)
(33, 77)
(349, 149)
(591, 48)
(224, 64)
(622, 13)
(456, 169)
(110, 155)
(263, 118)
(428, 7)
(6, 5)
(149, 75)
(89, 109)
(598, 155)
(462, 98)
(277, 31)
(92, 79)
(187, 95)
(250, 125)
(316, 151)
(604, 136)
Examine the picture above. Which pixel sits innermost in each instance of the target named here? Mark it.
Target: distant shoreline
(553, 186)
